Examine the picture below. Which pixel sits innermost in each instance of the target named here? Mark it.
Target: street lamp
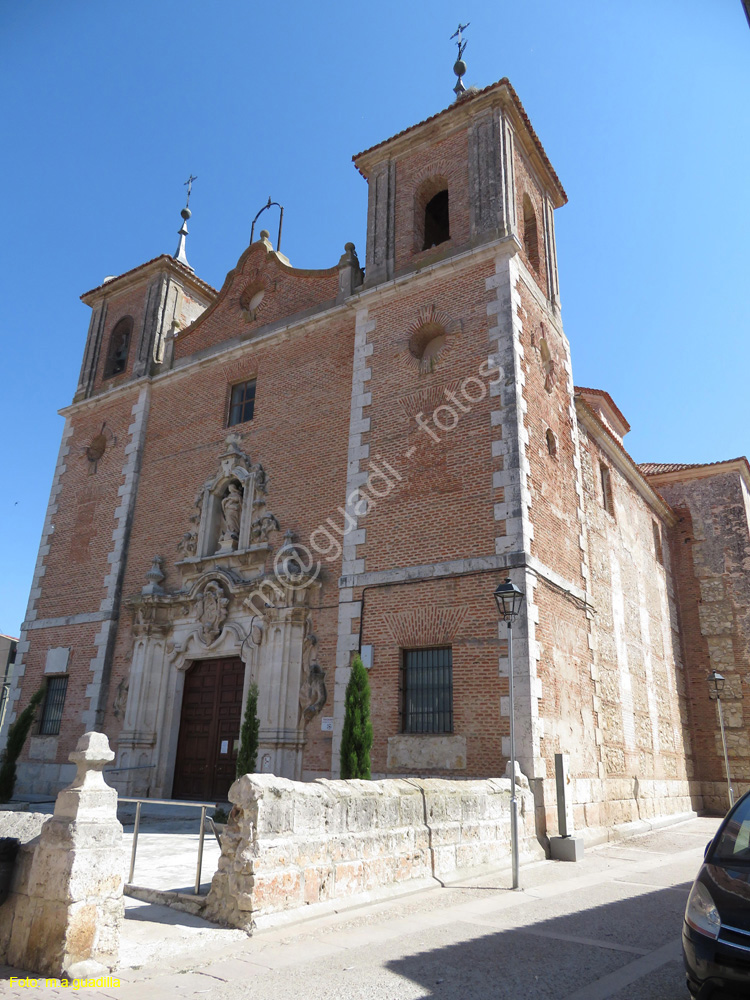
(716, 684)
(509, 599)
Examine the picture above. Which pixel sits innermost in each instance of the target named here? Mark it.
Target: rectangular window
(242, 402)
(607, 502)
(427, 697)
(53, 706)
(657, 542)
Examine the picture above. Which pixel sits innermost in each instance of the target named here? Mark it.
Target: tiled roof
(653, 468)
(471, 97)
(657, 468)
(162, 256)
(601, 392)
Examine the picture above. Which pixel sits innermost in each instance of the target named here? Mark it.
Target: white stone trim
(123, 514)
(19, 668)
(359, 424)
(83, 619)
(510, 440)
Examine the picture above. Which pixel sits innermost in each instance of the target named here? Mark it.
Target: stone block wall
(711, 552)
(65, 908)
(289, 845)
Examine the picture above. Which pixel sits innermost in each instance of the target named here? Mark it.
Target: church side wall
(711, 550)
(640, 690)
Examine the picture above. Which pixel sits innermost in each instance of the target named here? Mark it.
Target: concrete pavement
(607, 928)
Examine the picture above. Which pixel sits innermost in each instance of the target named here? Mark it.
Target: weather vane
(459, 67)
(189, 186)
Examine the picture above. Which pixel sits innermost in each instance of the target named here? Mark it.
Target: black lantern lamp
(716, 682)
(509, 599)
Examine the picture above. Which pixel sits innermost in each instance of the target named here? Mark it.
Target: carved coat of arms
(211, 611)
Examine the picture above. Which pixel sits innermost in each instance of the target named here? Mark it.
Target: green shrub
(247, 757)
(356, 738)
(17, 735)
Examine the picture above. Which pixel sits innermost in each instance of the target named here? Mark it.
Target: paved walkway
(607, 928)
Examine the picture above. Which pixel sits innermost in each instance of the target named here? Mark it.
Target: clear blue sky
(107, 107)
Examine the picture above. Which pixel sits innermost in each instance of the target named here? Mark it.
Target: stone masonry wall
(711, 550)
(640, 694)
(290, 844)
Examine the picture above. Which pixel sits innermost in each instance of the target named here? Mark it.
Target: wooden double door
(210, 722)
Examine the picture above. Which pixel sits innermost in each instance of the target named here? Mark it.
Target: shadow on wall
(634, 943)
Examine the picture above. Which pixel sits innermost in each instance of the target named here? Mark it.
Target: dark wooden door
(209, 730)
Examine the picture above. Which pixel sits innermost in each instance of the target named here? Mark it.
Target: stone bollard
(67, 921)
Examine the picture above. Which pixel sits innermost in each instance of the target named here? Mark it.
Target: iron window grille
(53, 706)
(427, 690)
(242, 403)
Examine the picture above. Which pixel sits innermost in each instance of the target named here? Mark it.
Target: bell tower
(470, 175)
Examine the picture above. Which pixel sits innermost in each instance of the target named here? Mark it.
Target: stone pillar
(68, 915)
(381, 224)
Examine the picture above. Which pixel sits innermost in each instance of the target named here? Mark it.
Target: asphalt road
(607, 928)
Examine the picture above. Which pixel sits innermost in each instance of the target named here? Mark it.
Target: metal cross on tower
(458, 34)
(459, 67)
(189, 186)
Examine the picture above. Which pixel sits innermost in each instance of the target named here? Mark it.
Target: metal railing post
(200, 852)
(135, 841)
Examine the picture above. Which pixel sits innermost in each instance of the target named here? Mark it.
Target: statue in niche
(231, 514)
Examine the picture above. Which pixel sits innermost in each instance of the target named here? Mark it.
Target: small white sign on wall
(326, 724)
(224, 746)
(366, 654)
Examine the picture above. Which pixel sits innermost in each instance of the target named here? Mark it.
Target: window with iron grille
(53, 706)
(242, 402)
(427, 690)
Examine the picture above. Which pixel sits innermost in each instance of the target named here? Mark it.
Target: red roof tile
(657, 468)
(601, 392)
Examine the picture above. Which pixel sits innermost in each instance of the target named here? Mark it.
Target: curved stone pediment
(264, 291)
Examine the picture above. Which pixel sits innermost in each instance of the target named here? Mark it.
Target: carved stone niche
(231, 524)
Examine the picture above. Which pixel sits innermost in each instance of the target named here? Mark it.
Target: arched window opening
(436, 220)
(551, 443)
(119, 346)
(530, 233)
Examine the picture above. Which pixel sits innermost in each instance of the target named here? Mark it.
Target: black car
(716, 931)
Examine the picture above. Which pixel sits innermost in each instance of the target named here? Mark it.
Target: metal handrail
(170, 802)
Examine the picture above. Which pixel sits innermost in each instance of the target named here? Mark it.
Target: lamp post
(509, 599)
(716, 684)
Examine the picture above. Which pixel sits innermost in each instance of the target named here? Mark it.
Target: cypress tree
(16, 738)
(356, 738)
(246, 758)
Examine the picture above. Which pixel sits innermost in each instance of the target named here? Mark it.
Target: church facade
(257, 483)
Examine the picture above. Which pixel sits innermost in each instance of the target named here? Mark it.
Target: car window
(734, 843)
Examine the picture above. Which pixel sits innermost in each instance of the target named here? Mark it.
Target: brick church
(255, 483)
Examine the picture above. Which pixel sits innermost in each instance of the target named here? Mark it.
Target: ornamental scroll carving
(313, 693)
